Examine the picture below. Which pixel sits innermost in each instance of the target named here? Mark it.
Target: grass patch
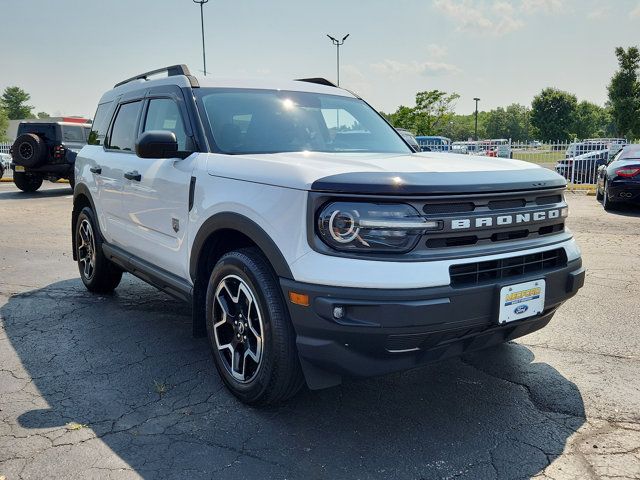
(539, 156)
(160, 387)
(75, 426)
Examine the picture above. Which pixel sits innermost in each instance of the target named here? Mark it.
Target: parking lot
(116, 386)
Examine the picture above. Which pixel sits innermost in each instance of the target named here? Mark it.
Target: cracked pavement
(116, 387)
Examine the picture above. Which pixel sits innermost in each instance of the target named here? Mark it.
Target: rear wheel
(98, 274)
(606, 202)
(249, 330)
(26, 181)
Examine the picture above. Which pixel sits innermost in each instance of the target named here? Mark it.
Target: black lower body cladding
(383, 331)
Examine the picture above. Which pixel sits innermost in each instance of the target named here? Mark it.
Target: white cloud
(429, 69)
(496, 18)
(546, 6)
(599, 13)
(635, 13)
(436, 51)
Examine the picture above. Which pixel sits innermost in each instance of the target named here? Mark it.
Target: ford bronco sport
(46, 150)
(313, 243)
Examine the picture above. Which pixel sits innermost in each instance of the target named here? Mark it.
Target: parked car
(46, 150)
(619, 179)
(312, 255)
(410, 139)
(499, 147)
(459, 147)
(576, 149)
(5, 162)
(434, 143)
(583, 168)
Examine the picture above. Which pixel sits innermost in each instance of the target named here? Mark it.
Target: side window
(73, 134)
(123, 133)
(164, 114)
(100, 124)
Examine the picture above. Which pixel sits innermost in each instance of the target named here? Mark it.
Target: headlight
(372, 227)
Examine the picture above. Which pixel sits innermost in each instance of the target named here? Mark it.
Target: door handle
(133, 176)
(96, 170)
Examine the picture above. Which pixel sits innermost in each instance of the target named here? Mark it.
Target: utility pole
(338, 44)
(476, 129)
(204, 57)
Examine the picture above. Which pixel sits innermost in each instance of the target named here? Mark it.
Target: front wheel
(27, 182)
(249, 330)
(98, 274)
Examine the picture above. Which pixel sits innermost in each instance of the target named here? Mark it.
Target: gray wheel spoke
(237, 328)
(86, 249)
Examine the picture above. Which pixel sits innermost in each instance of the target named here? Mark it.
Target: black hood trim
(438, 183)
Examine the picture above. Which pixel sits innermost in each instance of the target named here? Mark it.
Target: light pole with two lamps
(338, 44)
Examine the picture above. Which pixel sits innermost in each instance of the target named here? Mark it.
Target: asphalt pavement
(116, 386)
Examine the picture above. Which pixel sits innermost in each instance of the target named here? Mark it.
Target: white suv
(314, 244)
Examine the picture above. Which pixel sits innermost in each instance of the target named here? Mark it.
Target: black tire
(27, 182)
(29, 150)
(98, 274)
(607, 203)
(277, 374)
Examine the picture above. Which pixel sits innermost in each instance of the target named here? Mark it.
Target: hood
(375, 173)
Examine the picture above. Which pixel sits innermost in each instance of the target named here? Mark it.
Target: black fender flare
(78, 190)
(242, 224)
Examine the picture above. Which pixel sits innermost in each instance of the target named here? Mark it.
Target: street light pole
(476, 129)
(204, 57)
(338, 44)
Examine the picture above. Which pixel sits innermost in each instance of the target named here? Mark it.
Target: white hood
(300, 169)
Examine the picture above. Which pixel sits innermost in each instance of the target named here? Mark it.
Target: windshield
(270, 121)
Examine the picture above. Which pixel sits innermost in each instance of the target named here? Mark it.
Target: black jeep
(46, 150)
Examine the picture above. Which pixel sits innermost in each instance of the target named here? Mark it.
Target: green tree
(432, 114)
(4, 123)
(43, 115)
(403, 117)
(14, 101)
(591, 121)
(553, 114)
(434, 111)
(511, 122)
(624, 93)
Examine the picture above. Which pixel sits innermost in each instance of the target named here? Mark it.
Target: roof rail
(318, 80)
(171, 71)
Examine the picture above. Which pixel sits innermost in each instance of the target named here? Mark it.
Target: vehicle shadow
(57, 191)
(126, 367)
(625, 210)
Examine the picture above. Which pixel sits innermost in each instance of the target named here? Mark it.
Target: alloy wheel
(86, 249)
(238, 328)
(26, 150)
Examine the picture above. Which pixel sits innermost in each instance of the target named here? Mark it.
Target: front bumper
(384, 331)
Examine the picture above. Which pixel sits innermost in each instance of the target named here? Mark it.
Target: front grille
(500, 210)
(431, 208)
(480, 272)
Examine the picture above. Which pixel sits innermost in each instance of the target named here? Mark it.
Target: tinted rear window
(45, 130)
(72, 134)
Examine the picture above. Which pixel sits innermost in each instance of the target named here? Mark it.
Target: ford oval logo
(520, 309)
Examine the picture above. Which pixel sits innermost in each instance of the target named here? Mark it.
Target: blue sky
(66, 53)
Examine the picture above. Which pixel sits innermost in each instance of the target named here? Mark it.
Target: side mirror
(158, 144)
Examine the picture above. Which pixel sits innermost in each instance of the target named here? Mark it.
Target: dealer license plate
(19, 168)
(521, 301)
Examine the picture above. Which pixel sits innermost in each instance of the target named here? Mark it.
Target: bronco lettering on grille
(501, 220)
